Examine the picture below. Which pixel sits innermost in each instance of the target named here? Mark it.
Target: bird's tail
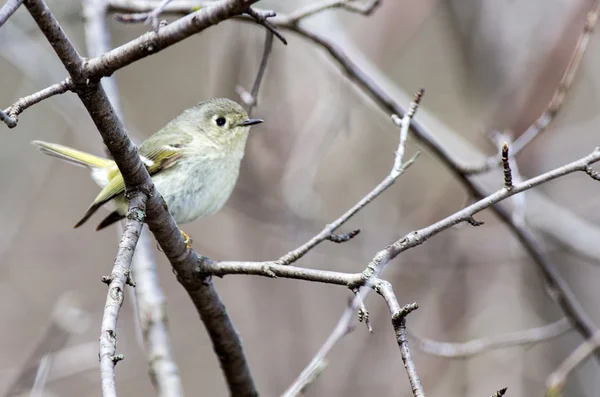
(73, 156)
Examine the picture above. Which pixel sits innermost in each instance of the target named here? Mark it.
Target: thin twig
(399, 314)
(477, 346)
(116, 290)
(8, 9)
(324, 234)
(397, 169)
(14, 110)
(399, 321)
(557, 379)
(250, 99)
(260, 16)
(151, 17)
(317, 364)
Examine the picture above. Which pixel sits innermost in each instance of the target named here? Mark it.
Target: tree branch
(251, 98)
(153, 42)
(8, 9)
(477, 346)
(119, 276)
(557, 379)
(14, 110)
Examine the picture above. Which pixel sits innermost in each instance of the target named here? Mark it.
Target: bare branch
(260, 16)
(251, 98)
(399, 321)
(317, 364)
(418, 237)
(151, 17)
(14, 110)
(557, 379)
(8, 9)
(116, 290)
(399, 314)
(477, 346)
(153, 42)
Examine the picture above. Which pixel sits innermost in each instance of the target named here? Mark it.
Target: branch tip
(506, 166)
(474, 222)
(342, 238)
(404, 311)
(500, 392)
(117, 357)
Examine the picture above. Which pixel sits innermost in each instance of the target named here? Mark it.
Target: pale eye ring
(220, 121)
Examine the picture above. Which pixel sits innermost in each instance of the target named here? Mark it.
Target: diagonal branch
(8, 9)
(557, 379)
(119, 276)
(477, 346)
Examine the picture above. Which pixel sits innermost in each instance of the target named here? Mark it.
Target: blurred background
(485, 65)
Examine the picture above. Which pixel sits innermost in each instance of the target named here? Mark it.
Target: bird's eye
(220, 121)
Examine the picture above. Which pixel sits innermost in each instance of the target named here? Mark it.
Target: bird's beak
(250, 122)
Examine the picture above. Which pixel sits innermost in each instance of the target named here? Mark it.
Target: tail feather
(76, 157)
(98, 165)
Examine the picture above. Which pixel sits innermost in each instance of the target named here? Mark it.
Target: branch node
(129, 278)
(107, 279)
(268, 271)
(116, 358)
(474, 222)
(342, 238)
(404, 311)
(595, 175)
(261, 16)
(506, 166)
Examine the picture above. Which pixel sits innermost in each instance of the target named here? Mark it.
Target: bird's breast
(197, 187)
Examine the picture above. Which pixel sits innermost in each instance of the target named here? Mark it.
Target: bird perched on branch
(194, 162)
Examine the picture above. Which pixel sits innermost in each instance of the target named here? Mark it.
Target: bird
(194, 162)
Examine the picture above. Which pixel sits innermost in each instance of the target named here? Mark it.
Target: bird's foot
(186, 239)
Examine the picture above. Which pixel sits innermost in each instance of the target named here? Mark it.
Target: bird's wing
(158, 152)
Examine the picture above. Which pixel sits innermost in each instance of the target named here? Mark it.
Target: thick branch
(153, 42)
